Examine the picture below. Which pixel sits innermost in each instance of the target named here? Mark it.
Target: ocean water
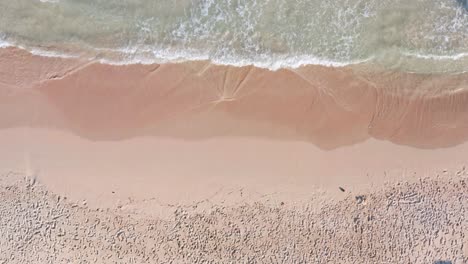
(408, 35)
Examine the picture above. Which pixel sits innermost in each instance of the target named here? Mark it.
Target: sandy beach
(140, 142)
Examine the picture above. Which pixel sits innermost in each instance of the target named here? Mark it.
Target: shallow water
(410, 35)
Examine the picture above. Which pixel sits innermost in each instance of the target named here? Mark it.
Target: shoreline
(408, 62)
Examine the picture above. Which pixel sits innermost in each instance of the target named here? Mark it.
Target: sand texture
(420, 222)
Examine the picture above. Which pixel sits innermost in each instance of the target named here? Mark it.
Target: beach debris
(342, 189)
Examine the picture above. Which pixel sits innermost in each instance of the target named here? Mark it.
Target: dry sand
(234, 142)
(419, 222)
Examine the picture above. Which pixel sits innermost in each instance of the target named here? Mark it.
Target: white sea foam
(4, 44)
(273, 65)
(127, 56)
(137, 56)
(49, 53)
(49, 1)
(38, 51)
(146, 55)
(458, 56)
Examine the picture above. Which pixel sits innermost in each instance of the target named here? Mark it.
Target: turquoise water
(410, 35)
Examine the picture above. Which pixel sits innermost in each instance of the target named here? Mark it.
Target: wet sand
(327, 107)
(185, 134)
